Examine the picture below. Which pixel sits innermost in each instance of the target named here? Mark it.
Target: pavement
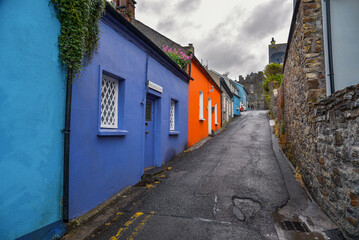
(234, 185)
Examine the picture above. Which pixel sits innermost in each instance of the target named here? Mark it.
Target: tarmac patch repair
(245, 208)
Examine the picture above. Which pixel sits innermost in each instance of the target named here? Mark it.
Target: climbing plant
(79, 36)
(272, 73)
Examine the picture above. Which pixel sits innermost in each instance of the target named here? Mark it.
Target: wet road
(226, 189)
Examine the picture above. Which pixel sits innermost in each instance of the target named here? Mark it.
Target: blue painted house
(236, 99)
(243, 94)
(129, 112)
(236, 104)
(32, 106)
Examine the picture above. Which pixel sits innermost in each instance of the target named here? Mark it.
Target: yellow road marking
(140, 226)
(127, 224)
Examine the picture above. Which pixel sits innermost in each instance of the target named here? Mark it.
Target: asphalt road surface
(226, 189)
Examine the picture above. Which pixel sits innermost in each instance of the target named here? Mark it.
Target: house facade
(235, 98)
(226, 97)
(32, 92)
(243, 94)
(204, 104)
(129, 112)
(236, 105)
(318, 106)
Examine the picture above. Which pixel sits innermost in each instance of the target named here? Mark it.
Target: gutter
(291, 31)
(66, 131)
(330, 49)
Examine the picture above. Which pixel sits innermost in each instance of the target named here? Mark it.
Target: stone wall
(319, 134)
(273, 108)
(253, 84)
(331, 169)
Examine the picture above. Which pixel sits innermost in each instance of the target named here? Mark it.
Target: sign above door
(155, 86)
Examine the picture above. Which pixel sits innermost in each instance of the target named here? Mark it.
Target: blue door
(149, 133)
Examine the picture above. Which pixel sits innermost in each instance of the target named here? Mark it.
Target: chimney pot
(126, 8)
(273, 41)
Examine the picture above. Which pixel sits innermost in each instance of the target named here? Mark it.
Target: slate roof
(118, 21)
(227, 80)
(160, 40)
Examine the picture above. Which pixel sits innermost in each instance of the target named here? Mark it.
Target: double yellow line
(128, 223)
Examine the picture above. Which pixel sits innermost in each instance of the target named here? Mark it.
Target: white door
(209, 116)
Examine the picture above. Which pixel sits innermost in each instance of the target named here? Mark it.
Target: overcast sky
(231, 35)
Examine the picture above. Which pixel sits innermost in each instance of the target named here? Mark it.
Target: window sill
(174, 133)
(202, 119)
(111, 132)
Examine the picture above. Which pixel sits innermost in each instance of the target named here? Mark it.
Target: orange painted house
(204, 104)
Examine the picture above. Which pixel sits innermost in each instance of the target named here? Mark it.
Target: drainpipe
(190, 67)
(146, 80)
(66, 131)
(330, 50)
(220, 86)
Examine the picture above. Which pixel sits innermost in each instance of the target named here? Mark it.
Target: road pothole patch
(245, 208)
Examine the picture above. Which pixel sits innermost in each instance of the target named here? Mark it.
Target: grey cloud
(267, 19)
(225, 54)
(234, 44)
(151, 7)
(167, 25)
(188, 5)
(223, 46)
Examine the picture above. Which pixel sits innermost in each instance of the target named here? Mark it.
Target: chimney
(126, 8)
(190, 48)
(273, 41)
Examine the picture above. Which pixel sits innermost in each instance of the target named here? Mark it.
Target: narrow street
(226, 189)
(157, 120)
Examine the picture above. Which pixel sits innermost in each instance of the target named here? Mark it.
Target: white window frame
(105, 78)
(215, 114)
(173, 115)
(201, 105)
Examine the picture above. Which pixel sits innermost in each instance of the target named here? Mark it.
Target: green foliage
(178, 60)
(178, 56)
(273, 74)
(79, 37)
(273, 69)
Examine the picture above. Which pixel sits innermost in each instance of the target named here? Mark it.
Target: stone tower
(277, 52)
(253, 84)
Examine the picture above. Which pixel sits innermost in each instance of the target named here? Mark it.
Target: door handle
(147, 132)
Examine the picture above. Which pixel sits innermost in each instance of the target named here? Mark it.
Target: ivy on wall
(272, 73)
(79, 36)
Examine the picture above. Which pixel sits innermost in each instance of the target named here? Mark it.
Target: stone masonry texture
(322, 133)
(253, 84)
